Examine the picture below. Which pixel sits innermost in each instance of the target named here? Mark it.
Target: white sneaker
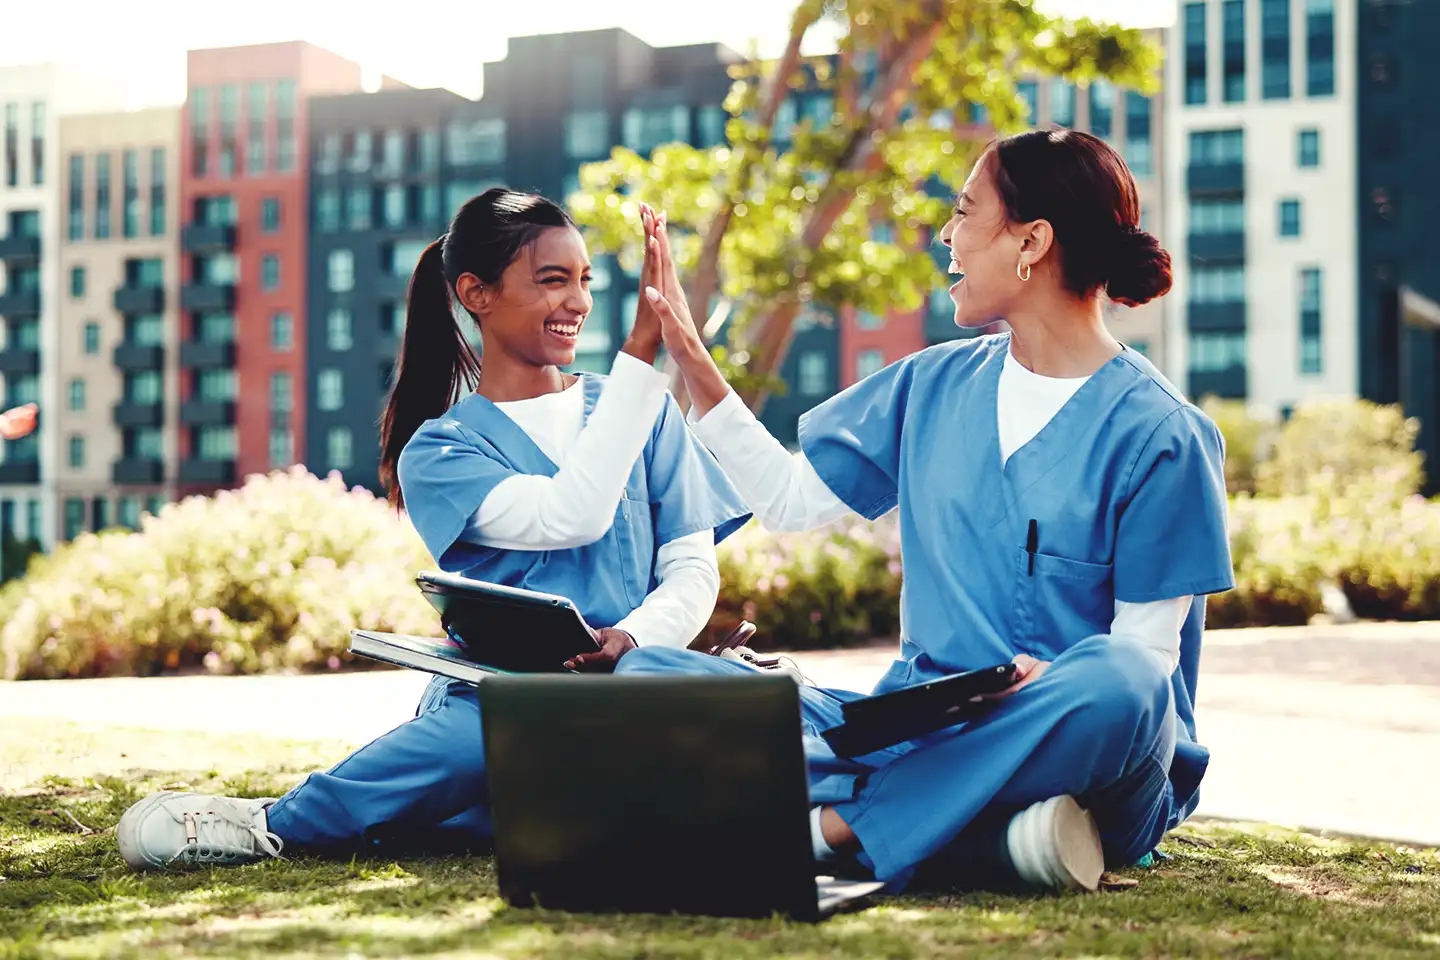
(1056, 844)
(196, 829)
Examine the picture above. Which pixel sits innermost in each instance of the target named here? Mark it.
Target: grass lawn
(1229, 891)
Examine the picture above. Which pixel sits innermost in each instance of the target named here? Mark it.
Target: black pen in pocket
(1032, 543)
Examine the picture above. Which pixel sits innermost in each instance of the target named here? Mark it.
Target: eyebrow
(963, 198)
(556, 268)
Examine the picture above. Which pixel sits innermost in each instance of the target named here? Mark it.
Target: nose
(579, 301)
(946, 231)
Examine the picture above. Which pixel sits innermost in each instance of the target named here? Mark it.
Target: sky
(422, 42)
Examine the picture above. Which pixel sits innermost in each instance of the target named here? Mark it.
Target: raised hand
(643, 341)
(18, 421)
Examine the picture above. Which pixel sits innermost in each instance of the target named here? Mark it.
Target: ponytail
(436, 367)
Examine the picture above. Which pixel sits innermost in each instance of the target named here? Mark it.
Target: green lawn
(1228, 891)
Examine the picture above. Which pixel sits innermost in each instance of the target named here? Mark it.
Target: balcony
(135, 300)
(135, 356)
(205, 413)
(19, 360)
(201, 355)
(217, 472)
(1202, 178)
(207, 238)
(1215, 316)
(131, 413)
(20, 471)
(20, 303)
(1229, 384)
(136, 471)
(19, 249)
(1217, 247)
(207, 297)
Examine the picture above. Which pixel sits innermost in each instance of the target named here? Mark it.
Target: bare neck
(505, 379)
(1061, 336)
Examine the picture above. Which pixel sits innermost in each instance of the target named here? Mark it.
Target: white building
(32, 99)
(1260, 198)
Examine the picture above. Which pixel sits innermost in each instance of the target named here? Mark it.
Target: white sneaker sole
(127, 832)
(1075, 844)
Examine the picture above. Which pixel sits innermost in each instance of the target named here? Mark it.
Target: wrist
(642, 346)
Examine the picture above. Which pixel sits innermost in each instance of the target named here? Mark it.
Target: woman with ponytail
(515, 472)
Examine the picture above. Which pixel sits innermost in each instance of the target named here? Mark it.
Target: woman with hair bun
(1061, 507)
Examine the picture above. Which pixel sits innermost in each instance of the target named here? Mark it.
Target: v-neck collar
(495, 425)
(1038, 455)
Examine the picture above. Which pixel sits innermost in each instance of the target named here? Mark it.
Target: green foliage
(774, 179)
(1248, 440)
(273, 575)
(1342, 443)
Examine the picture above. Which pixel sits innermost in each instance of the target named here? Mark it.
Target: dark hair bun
(1139, 269)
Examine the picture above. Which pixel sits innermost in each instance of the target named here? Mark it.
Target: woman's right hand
(643, 341)
(703, 379)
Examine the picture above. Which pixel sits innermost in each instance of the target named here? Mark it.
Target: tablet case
(517, 631)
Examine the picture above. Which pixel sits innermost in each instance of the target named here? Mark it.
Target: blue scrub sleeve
(445, 476)
(1172, 539)
(853, 439)
(688, 490)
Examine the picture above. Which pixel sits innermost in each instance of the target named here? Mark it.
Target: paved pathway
(1328, 727)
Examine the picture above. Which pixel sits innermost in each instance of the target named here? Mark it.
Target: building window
(587, 134)
(37, 143)
(130, 512)
(1217, 147)
(285, 146)
(403, 256)
(1102, 109)
(199, 102)
(100, 514)
(358, 202)
(74, 517)
(157, 192)
(1214, 351)
(1029, 93)
(327, 156)
(392, 154)
(145, 331)
(1308, 148)
(395, 206)
(338, 333)
(340, 271)
(282, 447)
(144, 443)
(1212, 217)
(76, 221)
(865, 320)
(282, 332)
(429, 203)
(217, 328)
(1320, 48)
(647, 128)
(329, 390)
(77, 282)
(427, 156)
(327, 210)
(215, 211)
(1310, 310)
(130, 194)
(338, 452)
(362, 150)
(1194, 20)
(215, 386)
(1274, 49)
(1233, 24)
(477, 142)
(215, 443)
(814, 374)
(153, 504)
(1062, 102)
(75, 394)
(868, 362)
(270, 272)
(77, 452)
(1289, 218)
(282, 394)
(12, 144)
(1139, 145)
(270, 215)
(222, 269)
(710, 126)
(102, 196)
(92, 338)
(1217, 284)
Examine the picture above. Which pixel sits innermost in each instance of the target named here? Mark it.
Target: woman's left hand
(1028, 670)
(703, 379)
(614, 644)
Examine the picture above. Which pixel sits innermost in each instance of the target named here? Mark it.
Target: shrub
(1248, 440)
(272, 575)
(1350, 441)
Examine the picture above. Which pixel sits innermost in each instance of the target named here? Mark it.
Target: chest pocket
(634, 532)
(1060, 603)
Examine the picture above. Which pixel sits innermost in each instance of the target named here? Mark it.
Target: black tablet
(874, 723)
(518, 631)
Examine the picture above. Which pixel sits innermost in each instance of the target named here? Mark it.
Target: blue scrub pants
(422, 785)
(1098, 725)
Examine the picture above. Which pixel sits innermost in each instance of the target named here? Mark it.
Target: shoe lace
(222, 834)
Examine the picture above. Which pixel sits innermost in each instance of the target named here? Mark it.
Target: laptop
(654, 795)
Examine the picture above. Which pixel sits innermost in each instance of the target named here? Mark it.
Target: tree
(784, 217)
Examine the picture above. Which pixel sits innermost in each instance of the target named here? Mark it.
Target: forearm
(680, 606)
(1156, 626)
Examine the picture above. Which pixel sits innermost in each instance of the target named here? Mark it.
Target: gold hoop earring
(1022, 266)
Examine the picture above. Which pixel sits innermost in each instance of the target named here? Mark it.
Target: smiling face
(534, 314)
(985, 250)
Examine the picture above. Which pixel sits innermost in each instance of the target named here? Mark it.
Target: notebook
(441, 656)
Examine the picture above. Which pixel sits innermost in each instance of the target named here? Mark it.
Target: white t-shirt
(577, 506)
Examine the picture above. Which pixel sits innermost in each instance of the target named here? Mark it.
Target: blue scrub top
(1125, 487)
(675, 489)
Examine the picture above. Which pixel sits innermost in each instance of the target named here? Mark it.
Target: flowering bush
(270, 576)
